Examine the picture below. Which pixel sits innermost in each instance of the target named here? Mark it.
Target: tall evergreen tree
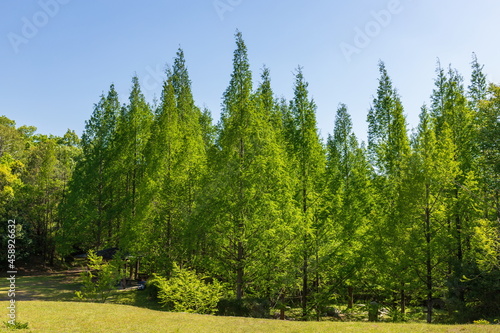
(388, 146)
(159, 209)
(193, 159)
(250, 197)
(176, 163)
(88, 206)
(432, 170)
(387, 134)
(486, 232)
(132, 134)
(489, 120)
(478, 87)
(348, 205)
(308, 160)
(454, 113)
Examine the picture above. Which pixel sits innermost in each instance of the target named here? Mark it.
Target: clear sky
(59, 56)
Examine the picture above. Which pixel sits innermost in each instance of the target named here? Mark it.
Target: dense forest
(260, 202)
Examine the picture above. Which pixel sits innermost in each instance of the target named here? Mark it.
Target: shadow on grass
(61, 287)
(134, 297)
(53, 287)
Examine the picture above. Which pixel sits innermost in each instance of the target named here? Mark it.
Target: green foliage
(489, 159)
(185, 291)
(486, 241)
(175, 165)
(477, 89)
(34, 172)
(89, 210)
(17, 325)
(307, 166)
(346, 210)
(388, 152)
(247, 210)
(387, 134)
(396, 315)
(101, 278)
(260, 202)
(10, 180)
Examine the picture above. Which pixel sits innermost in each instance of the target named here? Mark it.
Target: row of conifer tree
(260, 202)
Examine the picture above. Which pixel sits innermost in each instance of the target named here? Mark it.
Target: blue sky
(59, 56)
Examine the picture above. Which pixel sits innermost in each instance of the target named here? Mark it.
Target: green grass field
(46, 287)
(48, 304)
(61, 287)
(47, 316)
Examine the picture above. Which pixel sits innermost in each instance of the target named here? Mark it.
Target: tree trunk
(169, 235)
(137, 266)
(317, 282)
(304, 284)
(241, 225)
(350, 297)
(428, 262)
(403, 296)
(305, 264)
(239, 271)
(458, 267)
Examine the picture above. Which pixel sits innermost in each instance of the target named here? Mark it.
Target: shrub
(153, 286)
(185, 291)
(101, 279)
(16, 325)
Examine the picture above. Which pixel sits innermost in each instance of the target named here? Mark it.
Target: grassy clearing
(47, 302)
(92, 317)
(62, 286)
(47, 287)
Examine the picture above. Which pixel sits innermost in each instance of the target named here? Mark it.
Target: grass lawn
(47, 316)
(46, 287)
(61, 286)
(48, 303)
